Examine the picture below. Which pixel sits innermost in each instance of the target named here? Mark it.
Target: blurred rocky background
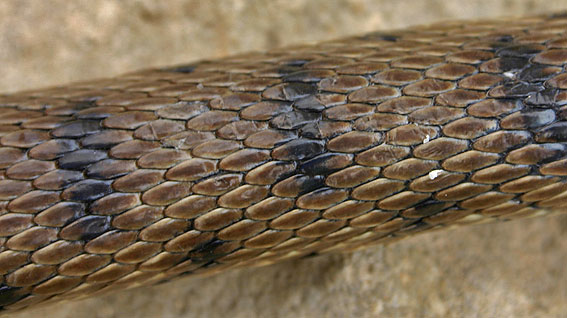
(515, 269)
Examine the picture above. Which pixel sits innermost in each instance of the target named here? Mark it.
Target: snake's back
(263, 157)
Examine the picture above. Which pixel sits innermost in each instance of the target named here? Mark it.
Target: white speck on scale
(434, 174)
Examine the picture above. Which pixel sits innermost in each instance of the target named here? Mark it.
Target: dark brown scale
(342, 84)
(109, 273)
(380, 122)
(217, 185)
(377, 189)
(253, 85)
(76, 129)
(85, 228)
(409, 135)
(436, 182)
(382, 155)
(217, 219)
(526, 184)
(485, 200)
(137, 217)
(329, 63)
(450, 71)
(106, 169)
(361, 68)
(559, 81)
(24, 138)
(435, 115)
(110, 242)
(353, 141)
(138, 180)
(269, 208)
(191, 170)
(240, 130)
(325, 164)
(468, 128)
(319, 228)
(321, 198)
(216, 149)
(534, 154)
(13, 223)
(373, 94)
(544, 193)
(553, 133)
(11, 189)
(552, 57)
(293, 120)
(48, 150)
(270, 172)
(211, 120)
(299, 149)
(9, 156)
(268, 139)
(459, 98)
(265, 110)
(105, 139)
(29, 275)
(409, 169)
(163, 230)
(402, 200)
(87, 190)
(348, 112)
(428, 87)
(318, 102)
(11, 260)
(60, 214)
(499, 173)
(492, 108)
(404, 105)
(558, 168)
(289, 91)
(83, 264)
(162, 158)
(32, 239)
(243, 196)
(397, 77)
(417, 62)
(244, 160)
(114, 203)
(34, 201)
(501, 141)
(462, 191)
(166, 193)
(234, 101)
(151, 104)
(186, 140)
(440, 148)
(188, 241)
(267, 239)
(241, 230)
(158, 129)
(481, 81)
(181, 111)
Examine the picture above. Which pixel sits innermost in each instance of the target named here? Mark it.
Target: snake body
(262, 157)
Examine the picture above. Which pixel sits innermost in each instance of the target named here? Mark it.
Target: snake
(262, 157)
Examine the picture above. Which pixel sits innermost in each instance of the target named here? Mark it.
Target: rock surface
(515, 269)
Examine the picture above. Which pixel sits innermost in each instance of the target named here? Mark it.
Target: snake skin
(262, 157)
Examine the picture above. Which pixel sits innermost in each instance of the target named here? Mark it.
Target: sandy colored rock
(495, 270)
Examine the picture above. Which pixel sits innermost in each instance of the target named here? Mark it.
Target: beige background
(516, 269)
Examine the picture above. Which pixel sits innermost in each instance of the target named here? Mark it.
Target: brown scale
(262, 157)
